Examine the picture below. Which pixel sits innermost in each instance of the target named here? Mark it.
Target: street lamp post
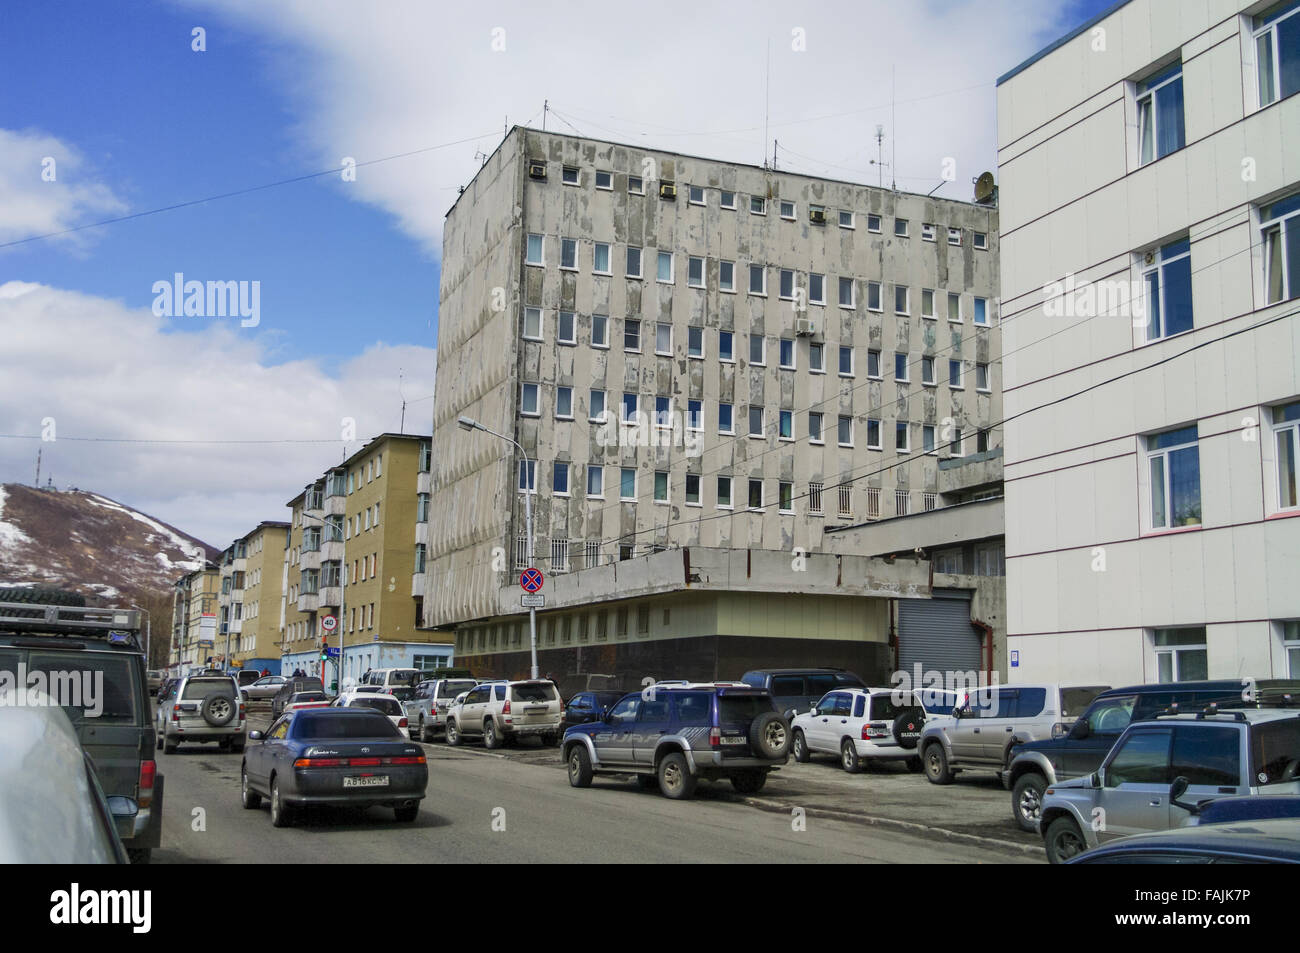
(467, 423)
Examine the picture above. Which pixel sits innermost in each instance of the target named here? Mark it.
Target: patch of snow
(190, 549)
(11, 537)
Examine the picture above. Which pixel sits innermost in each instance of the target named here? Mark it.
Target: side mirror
(812, 711)
(1081, 729)
(1176, 791)
(120, 806)
(1098, 779)
(960, 713)
(255, 736)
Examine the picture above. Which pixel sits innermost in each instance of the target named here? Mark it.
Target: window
(695, 194)
(785, 497)
(786, 291)
(1280, 233)
(569, 254)
(785, 356)
(633, 262)
(787, 210)
(564, 403)
(726, 419)
(846, 293)
(757, 205)
(631, 403)
(927, 231)
(727, 199)
(873, 223)
(533, 324)
(695, 415)
(982, 377)
(627, 483)
(664, 339)
(529, 402)
(527, 483)
(422, 507)
(600, 330)
(900, 227)
(1173, 461)
(902, 499)
(1160, 114)
(1291, 643)
(785, 425)
(665, 272)
(1286, 437)
(954, 307)
(596, 481)
(846, 219)
(569, 176)
(956, 446)
(1277, 52)
(635, 186)
(981, 312)
(900, 367)
(1167, 278)
(875, 299)
(567, 332)
(757, 349)
(604, 180)
(980, 240)
(900, 299)
(724, 492)
(663, 412)
(845, 433)
(692, 489)
(661, 486)
(814, 427)
(727, 276)
(927, 370)
(560, 479)
(1181, 655)
(755, 421)
(757, 280)
(726, 346)
(873, 434)
(902, 443)
(846, 361)
(600, 258)
(954, 236)
(816, 288)
(755, 494)
(981, 440)
(873, 365)
(695, 342)
(815, 498)
(632, 335)
(695, 272)
(927, 438)
(846, 499)
(535, 250)
(954, 375)
(816, 357)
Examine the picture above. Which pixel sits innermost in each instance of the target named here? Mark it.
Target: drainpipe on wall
(893, 633)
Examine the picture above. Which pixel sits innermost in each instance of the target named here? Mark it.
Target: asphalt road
(482, 807)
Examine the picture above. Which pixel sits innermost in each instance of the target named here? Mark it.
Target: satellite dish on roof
(984, 188)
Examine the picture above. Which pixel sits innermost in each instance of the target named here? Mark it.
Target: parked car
(681, 735)
(796, 690)
(426, 710)
(500, 712)
(586, 707)
(861, 725)
(341, 756)
(1232, 810)
(246, 677)
(49, 630)
(52, 807)
(991, 721)
(1272, 841)
(155, 679)
(1162, 772)
(307, 700)
(290, 687)
(205, 708)
(263, 688)
(1079, 749)
(386, 678)
(382, 702)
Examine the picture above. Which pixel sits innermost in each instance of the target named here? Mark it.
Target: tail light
(715, 737)
(356, 762)
(241, 711)
(402, 723)
(148, 771)
(176, 712)
(506, 710)
(364, 762)
(875, 729)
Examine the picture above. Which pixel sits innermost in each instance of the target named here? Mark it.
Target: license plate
(734, 741)
(375, 781)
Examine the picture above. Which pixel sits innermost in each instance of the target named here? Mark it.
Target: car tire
(247, 796)
(1027, 799)
(38, 596)
(423, 734)
(799, 747)
(749, 782)
(936, 764)
(452, 734)
(139, 855)
(1063, 840)
(237, 747)
(906, 729)
(769, 735)
(580, 772)
(849, 759)
(169, 747)
(160, 742)
(408, 813)
(281, 813)
(647, 782)
(675, 779)
(915, 765)
(415, 734)
(218, 710)
(491, 739)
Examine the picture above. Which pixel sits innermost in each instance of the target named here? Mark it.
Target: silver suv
(502, 711)
(989, 722)
(426, 709)
(205, 707)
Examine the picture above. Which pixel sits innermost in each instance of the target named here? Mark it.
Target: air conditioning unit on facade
(805, 327)
(668, 191)
(817, 216)
(536, 169)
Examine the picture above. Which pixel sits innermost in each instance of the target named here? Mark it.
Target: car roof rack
(117, 626)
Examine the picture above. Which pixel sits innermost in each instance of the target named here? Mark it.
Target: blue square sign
(1015, 658)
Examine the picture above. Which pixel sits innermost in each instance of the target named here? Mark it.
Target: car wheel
(452, 733)
(237, 747)
(1027, 800)
(424, 731)
(281, 813)
(1063, 840)
(675, 778)
(749, 782)
(415, 734)
(914, 764)
(160, 742)
(224, 744)
(408, 813)
(647, 782)
(169, 747)
(139, 855)
(936, 764)
(799, 746)
(849, 759)
(580, 772)
(490, 737)
(250, 798)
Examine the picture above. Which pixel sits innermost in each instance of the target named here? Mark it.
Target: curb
(458, 748)
(765, 804)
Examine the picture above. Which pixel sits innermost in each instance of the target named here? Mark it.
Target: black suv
(674, 735)
(92, 663)
(292, 687)
(1033, 766)
(796, 690)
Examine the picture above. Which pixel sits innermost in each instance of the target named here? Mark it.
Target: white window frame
(954, 236)
(928, 232)
(730, 432)
(1144, 103)
(609, 180)
(668, 488)
(762, 422)
(762, 272)
(1268, 29)
(929, 315)
(907, 437)
(906, 378)
(599, 471)
(528, 247)
(1291, 429)
(842, 223)
(980, 241)
(839, 419)
(626, 323)
(839, 361)
(695, 355)
(731, 493)
(1149, 456)
(621, 497)
(723, 357)
(782, 417)
(640, 185)
(782, 506)
(816, 367)
(762, 495)
(569, 243)
(722, 199)
(1283, 250)
(629, 417)
(695, 418)
(951, 297)
(570, 175)
(873, 223)
(907, 299)
(660, 327)
(762, 350)
(878, 289)
(820, 298)
(853, 292)
(523, 400)
(660, 257)
(1173, 651)
(559, 390)
(691, 191)
(591, 405)
(928, 430)
(956, 363)
(780, 284)
(663, 419)
(602, 344)
(792, 214)
(818, 436)
(794, 350)
(927, 373)
(757, 205)
(986, 387)
(609, 258)
(690, 261)
(557, 467)
(573, 327)
(725, 286)
(640, 262)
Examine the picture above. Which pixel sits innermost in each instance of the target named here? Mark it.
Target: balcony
(417, 584)
(422, 533)
(331, 551)
(308, 601)
(959, 475)
(424, 482)
(311, 559)
(330, 597)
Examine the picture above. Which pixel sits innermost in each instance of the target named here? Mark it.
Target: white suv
(204, 707)
(501, 711)
(861, 724)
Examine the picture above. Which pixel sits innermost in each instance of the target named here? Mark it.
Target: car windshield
(534, 692)
(385, 703)
(327, 725)
(740, 710)
(453, 687)
(87, 686)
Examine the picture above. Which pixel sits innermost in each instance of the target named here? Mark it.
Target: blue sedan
(340, 756)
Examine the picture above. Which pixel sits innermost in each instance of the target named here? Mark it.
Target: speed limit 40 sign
(329, 623)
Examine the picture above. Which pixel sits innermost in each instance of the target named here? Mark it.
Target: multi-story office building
(693, 353)
(194, 599)
(250, 599)
(356, 552)
(1150, 179)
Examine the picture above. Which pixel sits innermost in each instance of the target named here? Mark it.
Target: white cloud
(45, 187)
(99, 369)
(687, 77)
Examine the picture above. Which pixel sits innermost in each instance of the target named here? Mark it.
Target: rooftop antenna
(401, 427)
(767, 99)
(880, 155)
(546, 107)
(774, 155)
(893, 124)
(37, 484)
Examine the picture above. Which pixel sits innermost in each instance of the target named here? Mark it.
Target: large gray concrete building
(698, 354)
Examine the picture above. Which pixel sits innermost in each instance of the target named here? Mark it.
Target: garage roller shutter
(938, 634)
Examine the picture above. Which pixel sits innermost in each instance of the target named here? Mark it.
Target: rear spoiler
(117, 626)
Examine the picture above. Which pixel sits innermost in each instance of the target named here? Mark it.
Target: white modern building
(1149, 174)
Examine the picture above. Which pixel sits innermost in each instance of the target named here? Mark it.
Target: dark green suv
(89, 662)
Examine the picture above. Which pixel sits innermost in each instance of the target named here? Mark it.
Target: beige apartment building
(195, 598)
(251, 579)
(694, 354)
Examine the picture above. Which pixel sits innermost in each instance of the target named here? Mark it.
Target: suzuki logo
(365, 751)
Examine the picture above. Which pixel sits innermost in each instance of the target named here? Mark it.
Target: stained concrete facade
(249, 603)
(530, 374)
(1102, 584)
(196, 593)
